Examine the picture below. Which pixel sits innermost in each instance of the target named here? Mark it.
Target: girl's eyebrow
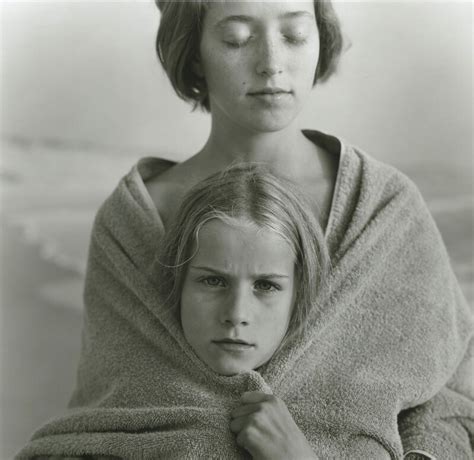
(247, 19)
(222, 272)
(207, 269)
(271, 276)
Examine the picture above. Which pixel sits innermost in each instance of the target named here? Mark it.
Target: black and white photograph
(236, 229)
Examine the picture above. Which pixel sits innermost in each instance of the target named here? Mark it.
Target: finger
(237, 424)
(248, 439)
(250, 397)
(245, 409)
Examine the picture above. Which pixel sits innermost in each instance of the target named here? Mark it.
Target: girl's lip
(233, 342)
(232, 346)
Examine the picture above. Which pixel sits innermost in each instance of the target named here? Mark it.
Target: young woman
(385, 370)
(252, 65)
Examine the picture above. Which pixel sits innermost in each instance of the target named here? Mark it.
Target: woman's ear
(197, 67)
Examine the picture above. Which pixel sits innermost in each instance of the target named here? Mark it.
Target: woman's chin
(271, 122)
(256, 118)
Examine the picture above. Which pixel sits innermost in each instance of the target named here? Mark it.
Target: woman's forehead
(259, 7)
(268, 2)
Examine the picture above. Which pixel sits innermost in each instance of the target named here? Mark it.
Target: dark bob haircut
(179, 38)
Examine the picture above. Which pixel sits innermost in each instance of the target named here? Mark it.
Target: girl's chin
(229, 370)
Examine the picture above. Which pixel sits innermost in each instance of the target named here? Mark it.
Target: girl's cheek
(207, 300)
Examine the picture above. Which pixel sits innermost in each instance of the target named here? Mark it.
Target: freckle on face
(231, 74)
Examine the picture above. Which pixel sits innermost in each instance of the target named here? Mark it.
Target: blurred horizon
(86, 73)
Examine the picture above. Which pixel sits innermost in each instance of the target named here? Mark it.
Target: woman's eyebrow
(234, 18)
(247, 19)
(296, 14)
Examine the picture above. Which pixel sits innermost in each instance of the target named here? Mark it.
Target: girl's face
(237, 296)
(259, 61)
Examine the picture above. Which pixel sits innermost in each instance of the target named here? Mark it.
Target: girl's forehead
(238, 244)
(225, 229)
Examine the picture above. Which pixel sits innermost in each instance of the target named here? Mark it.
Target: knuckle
(279, 402)
(258, 419)
(274, 399)
(245, 437)
(275, 402)
(259, 408)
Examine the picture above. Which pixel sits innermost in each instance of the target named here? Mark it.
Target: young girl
(240, 278)
(243, 264)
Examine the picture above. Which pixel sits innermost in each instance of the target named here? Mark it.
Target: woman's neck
(282, 149)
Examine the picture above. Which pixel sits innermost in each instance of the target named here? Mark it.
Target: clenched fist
(266, 429)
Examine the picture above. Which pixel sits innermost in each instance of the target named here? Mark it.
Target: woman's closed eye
(295, 39)
(237, 35)
(291, 39)
(238, 42)
(297, 35)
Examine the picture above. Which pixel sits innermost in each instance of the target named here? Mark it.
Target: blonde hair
(252, 193)
(179, 38)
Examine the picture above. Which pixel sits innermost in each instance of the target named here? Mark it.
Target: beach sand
(40, 340)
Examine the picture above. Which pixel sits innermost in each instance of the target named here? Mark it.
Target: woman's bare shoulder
(164, 189)
(167, 188)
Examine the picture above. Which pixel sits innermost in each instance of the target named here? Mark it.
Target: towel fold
(378, 372)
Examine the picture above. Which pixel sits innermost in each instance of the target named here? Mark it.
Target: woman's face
(259, 61)
(237, 296)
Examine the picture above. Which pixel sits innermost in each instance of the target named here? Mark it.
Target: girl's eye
(266, 286)
(213, 281)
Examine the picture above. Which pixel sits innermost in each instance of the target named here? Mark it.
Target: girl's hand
(266, 429)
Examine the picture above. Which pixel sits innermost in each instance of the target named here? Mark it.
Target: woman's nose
(236, 311)
(269, 59)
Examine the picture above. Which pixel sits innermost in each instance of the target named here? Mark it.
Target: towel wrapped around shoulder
(385, 366)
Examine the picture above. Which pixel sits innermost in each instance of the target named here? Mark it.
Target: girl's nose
(236, 311)
(269, 59)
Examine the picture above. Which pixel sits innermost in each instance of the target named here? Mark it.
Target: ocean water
(51, 192)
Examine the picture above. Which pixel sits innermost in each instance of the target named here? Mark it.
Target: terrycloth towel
(381, 370)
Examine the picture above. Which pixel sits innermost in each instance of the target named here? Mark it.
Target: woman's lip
(270, 92)
(271, 99)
